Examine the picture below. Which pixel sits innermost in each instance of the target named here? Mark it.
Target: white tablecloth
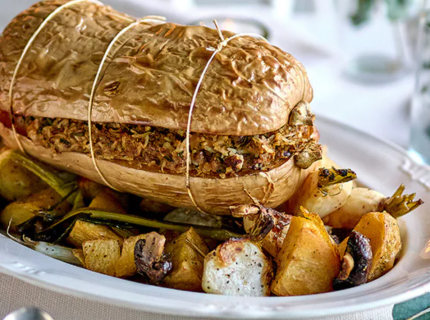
(381, 110)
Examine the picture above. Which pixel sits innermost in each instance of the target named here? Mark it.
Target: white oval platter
(379, 165)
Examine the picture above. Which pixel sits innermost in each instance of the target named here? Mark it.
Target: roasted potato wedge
(319, 200)
(125, 266)
(309, 259)
(102, 255)
(360, 202)
(17, 183)
(20, 211)
(107, 200)
(383, 232)
(237, 267)
(187, 254)
(85, 231)
(79, 254)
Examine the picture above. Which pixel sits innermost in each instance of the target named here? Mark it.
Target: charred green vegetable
(117, 218)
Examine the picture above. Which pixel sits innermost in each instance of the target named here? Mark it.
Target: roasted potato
(102, 255)
(20, 211)
(108, 200)
(237, 267)
(17, 183)
(79, 254)
(187, 254)
(85, 231)
(125, 266)
(309, 259)
(383, 232)
(322, 200)
(364, 200)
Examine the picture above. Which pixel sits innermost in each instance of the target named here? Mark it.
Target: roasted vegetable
(117, 218)
(83, 231)
(324, 191)
(63, 183)
(151, 262)
(309, 259)
(364, 200)
(272, 233)
(238, 267)
(383, 232)
(187, 254)
(107, 200)
(46, 201)
(356, 262)
(16, 182)
(101, 255)
(51, 250)
(194, 217)
(126, 266)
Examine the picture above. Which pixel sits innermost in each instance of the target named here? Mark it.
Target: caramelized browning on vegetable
(332, 176)
(150, 259)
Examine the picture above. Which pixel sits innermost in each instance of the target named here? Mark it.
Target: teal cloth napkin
(416, 309)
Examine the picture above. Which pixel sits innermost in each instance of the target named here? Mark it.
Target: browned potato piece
(108, 201)
(102, 255)
(89, 188)
(309, 259)
(238, 267)
(125, 266)
(20, 211)
(383, 232)
(85, 231)
(79, 253)
(187, 254)
(17, 183)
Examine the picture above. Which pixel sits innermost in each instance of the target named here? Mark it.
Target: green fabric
(406, 310)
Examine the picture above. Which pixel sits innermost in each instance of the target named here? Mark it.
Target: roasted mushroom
(150, 259)
(356, 263)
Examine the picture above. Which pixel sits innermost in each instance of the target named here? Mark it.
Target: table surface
(382, 110)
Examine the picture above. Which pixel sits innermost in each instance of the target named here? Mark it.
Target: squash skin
(212, 195)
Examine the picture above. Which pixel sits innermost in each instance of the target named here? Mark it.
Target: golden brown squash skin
(212, 195)
(250, 88)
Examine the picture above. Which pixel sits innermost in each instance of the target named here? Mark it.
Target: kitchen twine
(134, 23)
(24, 52)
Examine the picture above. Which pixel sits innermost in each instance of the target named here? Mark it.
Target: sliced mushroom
(356, 263)
(150, 259)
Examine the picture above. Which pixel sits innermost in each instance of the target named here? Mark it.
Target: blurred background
(366, 59)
